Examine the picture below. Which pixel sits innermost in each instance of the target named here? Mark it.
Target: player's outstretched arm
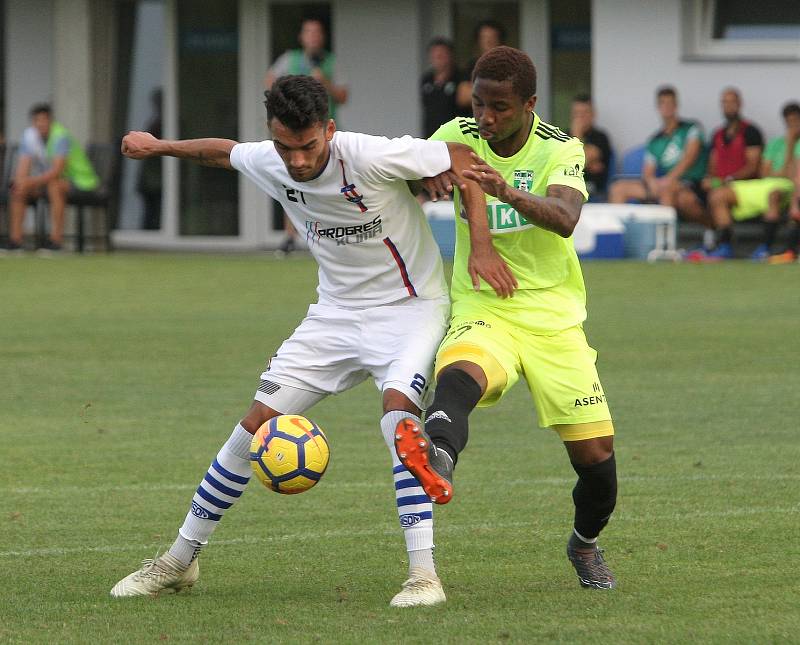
(559, 211)
(484, 261)
(206, 152)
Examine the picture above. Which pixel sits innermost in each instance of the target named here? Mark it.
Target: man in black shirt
(595, 144)
(439, 85)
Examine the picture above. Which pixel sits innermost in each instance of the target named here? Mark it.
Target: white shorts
(335, 349)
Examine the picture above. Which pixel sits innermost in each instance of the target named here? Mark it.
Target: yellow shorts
(752, 195)
(559, 368)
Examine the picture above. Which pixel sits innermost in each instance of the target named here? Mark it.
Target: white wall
(383, 78)
(637, 46)
(72, 67)
(29, 60)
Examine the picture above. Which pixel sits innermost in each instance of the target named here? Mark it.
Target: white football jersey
(363, 226)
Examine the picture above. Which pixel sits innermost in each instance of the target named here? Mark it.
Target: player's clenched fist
(139, 145)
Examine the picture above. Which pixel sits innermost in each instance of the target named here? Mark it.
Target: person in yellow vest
(532, 175)
(51, 162)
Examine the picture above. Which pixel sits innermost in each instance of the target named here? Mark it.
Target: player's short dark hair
(492, 24)
(667, 90)
(297, 101)
(583, 97)
(40, 108)
(790, 108)
(508, 64)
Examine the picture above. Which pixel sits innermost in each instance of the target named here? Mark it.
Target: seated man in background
(735, 154)
(793, 237)
(768, 196)
(674, 164)
(50, 162)
(596, 146)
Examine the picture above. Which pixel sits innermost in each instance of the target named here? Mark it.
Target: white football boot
(163, 574)
(421, 588)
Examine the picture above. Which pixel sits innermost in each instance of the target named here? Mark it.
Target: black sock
(793, 239)
(725, 235)
(770, 231)
(595, 496)
(457, 393)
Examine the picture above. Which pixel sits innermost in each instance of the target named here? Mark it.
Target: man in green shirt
(674, 164)
(532, 175)
(769, 196)
(50, 162)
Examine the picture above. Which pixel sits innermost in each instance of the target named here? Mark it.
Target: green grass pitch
(121, 376)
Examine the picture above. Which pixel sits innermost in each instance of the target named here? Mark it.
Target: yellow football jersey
(551, 294)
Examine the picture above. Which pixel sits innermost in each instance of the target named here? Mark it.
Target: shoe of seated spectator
(723, 251)
(696, 255)
(12, 247)
(787, 257)
(760, 254)
(49, 245)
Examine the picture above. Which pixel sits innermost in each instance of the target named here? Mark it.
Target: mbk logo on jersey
(523, 180)
(343, 234)
(199, 511)
(409, 520)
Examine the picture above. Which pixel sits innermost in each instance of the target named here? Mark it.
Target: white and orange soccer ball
(289, 454)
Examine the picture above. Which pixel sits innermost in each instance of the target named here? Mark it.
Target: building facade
(196, 68)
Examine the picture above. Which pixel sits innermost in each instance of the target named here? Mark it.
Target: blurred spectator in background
(149, 183)
(312, 59)
(768, 196)
(736, 146)
(596, 146)
(439, 87)
(674, 165)
(793, 237)
(488, 34)
(735, 154)
(52, 163)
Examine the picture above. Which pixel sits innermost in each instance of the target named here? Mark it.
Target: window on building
(763, 20)
(138, 106)
(742, 30)
(467, 19)
(208, 106)
(570, 56)
(2, 71)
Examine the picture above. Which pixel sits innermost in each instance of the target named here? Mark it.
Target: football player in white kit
(379, 269)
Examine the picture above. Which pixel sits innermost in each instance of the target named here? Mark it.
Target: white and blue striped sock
(222, 486)
(414, 507)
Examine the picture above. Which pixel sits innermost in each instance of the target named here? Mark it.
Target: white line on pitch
(541, 481)
(451, 529)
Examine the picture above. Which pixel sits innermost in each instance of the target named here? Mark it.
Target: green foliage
(121, 376)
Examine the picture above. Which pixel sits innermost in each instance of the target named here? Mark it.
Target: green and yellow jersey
(551, 294)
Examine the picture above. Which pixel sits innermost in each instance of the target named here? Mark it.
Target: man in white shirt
(378, 269)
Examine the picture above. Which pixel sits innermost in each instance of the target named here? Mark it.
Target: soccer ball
(289, 454)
